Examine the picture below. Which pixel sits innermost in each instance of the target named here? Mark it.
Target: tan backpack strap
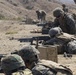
(55, 66)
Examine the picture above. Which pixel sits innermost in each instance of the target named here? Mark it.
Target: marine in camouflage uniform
(65, 21)
(41, 15)
(14, 65)
(58, 38)
(31, 59)
(65, 9)
(54, 34)
(38, 14)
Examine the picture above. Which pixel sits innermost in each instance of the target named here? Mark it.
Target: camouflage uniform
(41, 14)
(38, 14)
(54, 33)
(65, 9)
(31, 54)
(65, 21)
(13, 64)
(42, 70)
(71, 46)
(57, 38)
(37, 66)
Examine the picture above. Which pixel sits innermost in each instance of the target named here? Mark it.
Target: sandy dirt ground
(9, 29)
(69, 62)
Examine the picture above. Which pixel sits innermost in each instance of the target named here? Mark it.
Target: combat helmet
(28, 53)
(58, 12)
(63, 5)
(55, 31)
(11, 62)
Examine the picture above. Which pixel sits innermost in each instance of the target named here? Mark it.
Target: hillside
(17, 9)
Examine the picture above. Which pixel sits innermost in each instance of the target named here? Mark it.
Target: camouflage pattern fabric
(55, 31)
(71, 46)
(74, 16)
(41, 15)
(61, 70)
(46, 67)
(65, 9)
(28, 52)
(55, 41)
(23, 72)
(42, 70)
(38, 14)
(66, 41)
(67, 24)
(11, 62)
(57, 12)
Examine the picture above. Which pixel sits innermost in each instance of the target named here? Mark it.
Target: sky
(67, 1)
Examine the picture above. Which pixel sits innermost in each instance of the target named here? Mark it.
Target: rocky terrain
(18, 9)
(11, 26)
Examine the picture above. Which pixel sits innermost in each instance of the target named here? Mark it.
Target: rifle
(34, 38)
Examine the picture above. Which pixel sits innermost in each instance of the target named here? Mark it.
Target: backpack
(60, 69)
(70, 42)
(71, 46)
(66, 37)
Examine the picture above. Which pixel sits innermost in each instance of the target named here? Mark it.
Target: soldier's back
(40, 69)
(59, 68)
